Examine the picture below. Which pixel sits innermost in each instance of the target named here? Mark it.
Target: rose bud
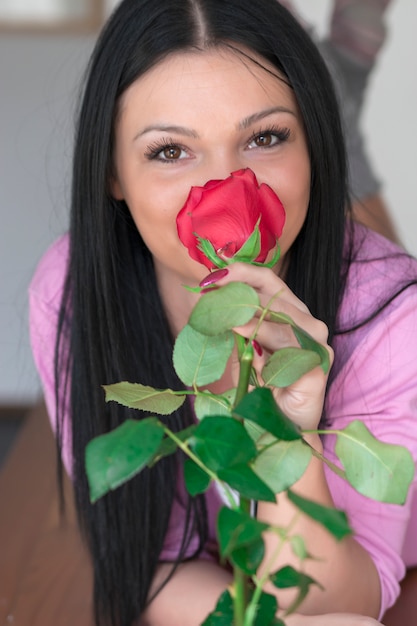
(229, 220)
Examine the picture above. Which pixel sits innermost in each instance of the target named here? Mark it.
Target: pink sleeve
(45, 293)
(378, 385)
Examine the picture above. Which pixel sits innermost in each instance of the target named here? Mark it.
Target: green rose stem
(260, 582)
(241, 581)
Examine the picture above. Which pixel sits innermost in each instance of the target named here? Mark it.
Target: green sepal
(246, 254)
(251, 248)
(273, 261)
(206, 247)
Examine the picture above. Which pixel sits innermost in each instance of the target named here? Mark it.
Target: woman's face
(198, 116)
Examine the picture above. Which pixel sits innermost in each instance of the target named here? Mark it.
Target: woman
(179, 93)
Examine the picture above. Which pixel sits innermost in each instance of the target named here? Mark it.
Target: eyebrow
(256, 117)
(167, 128)
(189, 132)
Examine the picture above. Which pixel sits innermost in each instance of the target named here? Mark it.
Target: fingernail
(257, 347)
(214, 277)
(209, 288)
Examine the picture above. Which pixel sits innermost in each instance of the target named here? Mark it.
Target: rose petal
(225, 213)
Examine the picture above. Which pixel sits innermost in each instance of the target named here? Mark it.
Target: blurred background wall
(39, 77)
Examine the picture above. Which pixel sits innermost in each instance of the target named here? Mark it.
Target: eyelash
(282, 134)
(154, 150)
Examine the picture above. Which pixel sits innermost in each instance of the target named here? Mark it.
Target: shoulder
(379, 271)
(47, 283)
(45, 295)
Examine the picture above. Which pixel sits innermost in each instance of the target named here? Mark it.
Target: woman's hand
(337, 563)
(303, 401)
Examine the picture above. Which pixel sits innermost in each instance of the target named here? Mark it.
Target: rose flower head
(229, 220)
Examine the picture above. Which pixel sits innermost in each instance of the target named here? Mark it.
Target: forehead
(196, 81)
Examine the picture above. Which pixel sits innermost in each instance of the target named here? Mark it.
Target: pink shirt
(376, 382)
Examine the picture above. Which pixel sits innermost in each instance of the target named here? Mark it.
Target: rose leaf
(248, 558)
(287, 365)
(334, 520)
(112, 459)
(137, 396)
(259, 406)
(288, 577)
(236, 528)
(221, 442)
(196, 479)
(266, 610)
(199, 359)
(243, 479)
(222, 309)
(207, 403)
(281, 464)
(223, 613)
(376, 469)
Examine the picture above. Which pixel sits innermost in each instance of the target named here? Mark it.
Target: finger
(269, 335)
(272, 335)
(262, 279)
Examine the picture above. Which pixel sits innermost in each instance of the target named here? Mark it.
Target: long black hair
(112, 323)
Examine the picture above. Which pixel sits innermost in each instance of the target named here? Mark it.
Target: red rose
(224, 214)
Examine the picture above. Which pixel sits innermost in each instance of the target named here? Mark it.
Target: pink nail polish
(208, 289)
(214, 277)
(257, 347)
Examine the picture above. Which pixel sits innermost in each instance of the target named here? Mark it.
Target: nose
(220, 165)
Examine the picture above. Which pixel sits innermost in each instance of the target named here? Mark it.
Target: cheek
(295, 196)
(149, 203)
(154, 210)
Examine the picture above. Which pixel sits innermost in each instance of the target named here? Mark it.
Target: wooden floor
(45, 577)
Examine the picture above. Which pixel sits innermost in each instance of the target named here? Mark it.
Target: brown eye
(171, 152)
(263, 140)
(269, 138)
(166, 151)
